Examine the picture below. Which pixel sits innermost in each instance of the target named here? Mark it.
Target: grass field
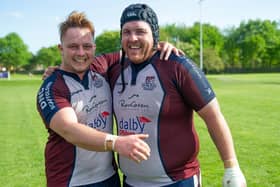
(250, 103)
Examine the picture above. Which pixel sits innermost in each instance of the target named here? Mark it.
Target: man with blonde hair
(75, 105)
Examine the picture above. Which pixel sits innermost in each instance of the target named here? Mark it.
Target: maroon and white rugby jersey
(159, 99)
(66, 164)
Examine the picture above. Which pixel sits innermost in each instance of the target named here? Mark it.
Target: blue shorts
(113, 181)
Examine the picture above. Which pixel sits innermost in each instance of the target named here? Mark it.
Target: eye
(88, 46)
(125, 32)
(141, 32)
(73, 47)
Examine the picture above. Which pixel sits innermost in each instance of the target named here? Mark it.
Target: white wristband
(109, 143)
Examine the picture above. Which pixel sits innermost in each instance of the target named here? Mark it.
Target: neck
(146, 59)
(80, 74)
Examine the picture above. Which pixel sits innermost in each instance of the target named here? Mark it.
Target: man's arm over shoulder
(102, 62)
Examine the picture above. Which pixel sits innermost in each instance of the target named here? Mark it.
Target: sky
(36, 21)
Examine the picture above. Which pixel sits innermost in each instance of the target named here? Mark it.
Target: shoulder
(173, 58)
(56, 76)
(52, 96)
(54, 84)
(185, 61)
(177, 63)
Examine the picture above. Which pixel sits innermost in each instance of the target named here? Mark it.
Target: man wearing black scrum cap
(159, 99)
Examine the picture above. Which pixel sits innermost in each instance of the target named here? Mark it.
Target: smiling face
(137, 41)
(77, 50)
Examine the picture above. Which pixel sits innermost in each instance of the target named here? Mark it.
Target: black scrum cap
(142, 12)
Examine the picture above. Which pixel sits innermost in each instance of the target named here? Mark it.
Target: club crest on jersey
(97, 81)
(133, 125)
(100, 121)
(149, 83)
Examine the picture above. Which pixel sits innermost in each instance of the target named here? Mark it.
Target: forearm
(219, 131)
(65, 124)
(84, 137)
(233, 176)
(131, 146)
(222, 138)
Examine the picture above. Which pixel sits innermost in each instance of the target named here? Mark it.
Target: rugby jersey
(67, 164)
(159, 99)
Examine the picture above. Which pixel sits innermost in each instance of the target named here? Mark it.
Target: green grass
(250, 103)
(22, 135)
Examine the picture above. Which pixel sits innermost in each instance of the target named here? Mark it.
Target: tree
(255, 44)
(188, 39)
(49, 56)
(187, 48)
(13, 52)
(212, 61)
(231, 51)
(108, 41)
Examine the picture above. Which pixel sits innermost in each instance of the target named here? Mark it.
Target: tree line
(253, 46)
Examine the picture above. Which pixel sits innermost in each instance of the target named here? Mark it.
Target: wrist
(230, 163)
(109, 143)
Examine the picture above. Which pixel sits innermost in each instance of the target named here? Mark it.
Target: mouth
(80, 59)
(134, 47)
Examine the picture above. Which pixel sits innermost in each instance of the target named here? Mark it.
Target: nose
(80, 50)
(133, 36)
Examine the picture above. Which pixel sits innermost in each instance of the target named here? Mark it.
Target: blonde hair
(75, 19)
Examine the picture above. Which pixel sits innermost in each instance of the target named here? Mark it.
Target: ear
(59, 46)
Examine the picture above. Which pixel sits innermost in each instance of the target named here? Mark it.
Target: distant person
(160, 100)
(75, 105)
